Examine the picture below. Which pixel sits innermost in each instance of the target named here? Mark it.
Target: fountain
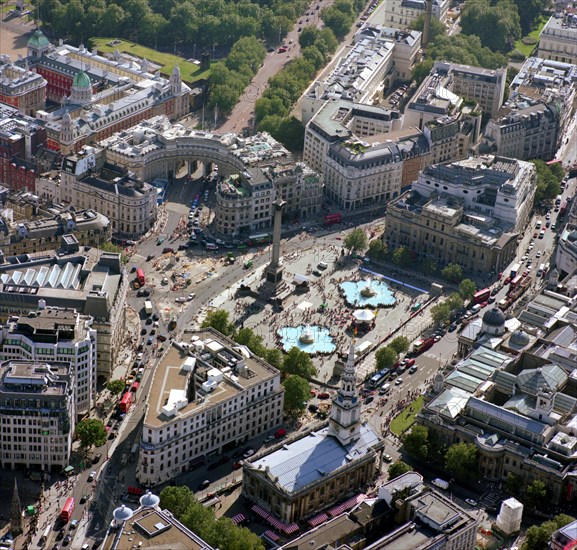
(307, 336)
(368, 293)
(310, 339)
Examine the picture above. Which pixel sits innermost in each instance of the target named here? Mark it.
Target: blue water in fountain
(384, 296)
(323, 341)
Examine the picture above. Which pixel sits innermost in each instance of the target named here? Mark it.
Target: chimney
(427, 23)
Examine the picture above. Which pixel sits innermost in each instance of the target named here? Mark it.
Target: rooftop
(24, 377)
(306, 460)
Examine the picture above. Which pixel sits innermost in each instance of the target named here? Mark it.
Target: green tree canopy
(455, 301)
(467, 288)
(115, 386)
(452, 273)
(398, 469)
(356, 240)
(90, 433)
(385, 357)
(299, 363)
(535, 493)
(513, 484)
(548, 181)
(296, 395)
(436, 28)
(218, 319)
(400, 344)
(416, 442)
(461, 459)
(538, 536)
(176, 499)
(377, 250)
(441, 312)
(402, 256)
(247, 337)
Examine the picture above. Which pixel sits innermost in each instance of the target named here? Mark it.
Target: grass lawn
(190, 72)
(404, 420)
(527, 49)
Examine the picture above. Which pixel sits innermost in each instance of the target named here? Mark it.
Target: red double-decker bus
(125, 402)
(481, 296)
(563, 209)
(515, 282)
(140, 276)
(67, 509)
(332, 219)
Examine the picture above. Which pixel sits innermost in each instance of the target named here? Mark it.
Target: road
(242, 115)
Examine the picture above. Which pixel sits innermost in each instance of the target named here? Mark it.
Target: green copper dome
(81, 80)
(38, 40)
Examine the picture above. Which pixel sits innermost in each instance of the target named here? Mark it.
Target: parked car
(387, 458)
(97, 458)
(203, 484)
(92, 476)
(168, 250)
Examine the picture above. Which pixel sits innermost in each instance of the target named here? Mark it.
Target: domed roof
(81, 80)
(38, 40)
(123, 513)
(494, 317)
(520, 338)
(149, 500)
(572, 236)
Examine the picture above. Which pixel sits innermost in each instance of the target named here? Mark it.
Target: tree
(385, 357)
(115, 386)
(461, 459)
(452, 273)
(513, 484)
(455, 301)
(536, 493)
(436, 27)
(176, 499)
(247, 337)
(356, 240)
(538, 536)
(219, 320)
(400, 344)
(467, 288)
(90, 432)
(402, 256)
(441, 312)
(377, 250)
(299, 363)
(398, 469)
(548, 181)
(274, 357)
(296, 394)
(416, 442)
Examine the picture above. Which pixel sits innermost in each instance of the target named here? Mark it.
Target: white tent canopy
(363, 315)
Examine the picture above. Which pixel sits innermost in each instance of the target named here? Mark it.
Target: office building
(315, 470)
(92, 282)
(558, 38)
(54, 334)
(532, 121)
(37, 414)
(204, 400)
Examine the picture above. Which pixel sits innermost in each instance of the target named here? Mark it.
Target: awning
(347, 505)
(260, 511)
(317, 520)
(238, 519)
(291, 528)
(363, 315)
(271, 535)
(276, 523)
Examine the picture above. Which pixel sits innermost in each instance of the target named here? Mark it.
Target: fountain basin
(311, 339)
(363, 294)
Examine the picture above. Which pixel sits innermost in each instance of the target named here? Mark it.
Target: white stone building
(558, 38)
(56, 335)
(204, 400)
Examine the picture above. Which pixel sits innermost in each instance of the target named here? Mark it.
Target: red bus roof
(126, 398)
(482, 292)
(516, 280)
(68, 505)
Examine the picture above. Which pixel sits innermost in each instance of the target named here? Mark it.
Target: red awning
(134, 490)
(238, 519)
(291, 528)
(317, 520)
(276, 523)
(347, 505)
(260, 511)
(271, 535)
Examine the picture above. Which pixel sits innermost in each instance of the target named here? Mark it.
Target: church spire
(344, 421)
(16, 513)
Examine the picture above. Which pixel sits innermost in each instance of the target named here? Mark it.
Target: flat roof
(310, 458)
(170, 375)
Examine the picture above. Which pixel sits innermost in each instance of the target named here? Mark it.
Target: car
(85, 498)
(91, 476)
(60, 534)
(97, 458)
(269, 439)
(283, 49)
(369, 400)
(538, 255)
(161, 338)
(536, 234)
(413, 369)
(452, 327)
(324, 395)
(316, 273)
(548, 216)
(437, 337)
(387, 458)
(491, 300)
(73, 524)
(203, 484)
(168, 250)
(191, 296)
(236, 465)
(248, 453)
(524, 258)
(180, 300)
(152, 332)
(145, 292)
(471, 502)
(149, 341)
(494, 291)
(398, 381)
(148, 321)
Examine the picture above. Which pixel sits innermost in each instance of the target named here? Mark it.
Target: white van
(386, 388)
(322, 265)
(440, 483)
